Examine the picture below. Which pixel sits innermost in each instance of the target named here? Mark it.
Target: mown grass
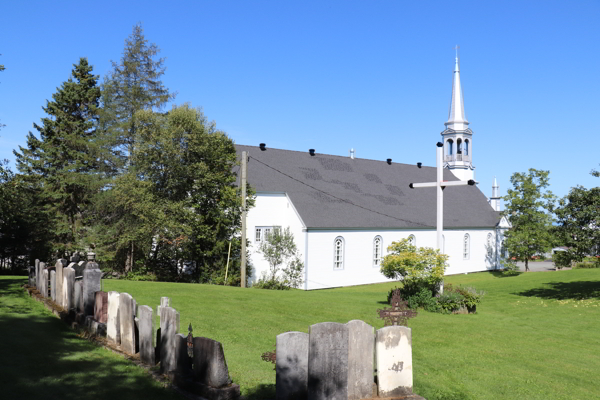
(43, 359)
(535, 336)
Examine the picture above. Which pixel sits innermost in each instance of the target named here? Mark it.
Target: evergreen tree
(66, 162)
(529, 208)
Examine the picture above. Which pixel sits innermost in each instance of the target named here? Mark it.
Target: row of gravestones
(72, 285)
(335, 361)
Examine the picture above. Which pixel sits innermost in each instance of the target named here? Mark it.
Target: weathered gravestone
(361, 341)
(328, 361)
(68, 288)
(164, 302)
(60, 265)
(169, 326)
(92, 283)
(291, 379)
(183, 362)
(45, 283)
(146, 329)
(78, 294)
(113, 324)
(53, 285)
(41, 267)
(126, 318)
(394, 361)
(210, 367)
(101, 307)
(31, 275)
(36, 269)
(79, 268)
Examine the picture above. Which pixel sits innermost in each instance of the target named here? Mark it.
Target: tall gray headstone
(291, 379)
(41, 267)
(30, 275)
(92, 283)
(68, 288)
(169, 327)
(126, 319)
(394, 361)
(113, 324)
(210, 367)
(53, 285)
(45, 282)
(328, 361)
(78, 294)
(146, 329)
(361, 342)
(60, 265)
(164, 302)
(183, 364)
(36, 268)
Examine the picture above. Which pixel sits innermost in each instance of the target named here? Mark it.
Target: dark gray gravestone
(36, 268)
(169, 327)
(146, 329)
(79, 267)
(126, 318)
(78, 294)
(53, 285)
(328, 361)
(45, 283)
(113, 325)
(210, 367)
(60, 265)
(183, 364)
(394, 361)
(291, 380)
(101, 307)
(68, 288)
(31, 275)
(91, 285)
(361, 342)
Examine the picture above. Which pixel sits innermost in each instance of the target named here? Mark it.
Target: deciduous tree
(529, 207)
(279, 249)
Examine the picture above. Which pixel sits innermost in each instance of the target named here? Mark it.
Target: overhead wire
(336, 197)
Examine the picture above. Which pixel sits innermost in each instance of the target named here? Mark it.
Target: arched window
(449, 146)
(377, 251)
(413, 240)
(459, 146)
(338, 253)
(466, 246)
(466, 147)
(490, 248)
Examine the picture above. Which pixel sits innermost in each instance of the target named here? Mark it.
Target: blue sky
(375, 76)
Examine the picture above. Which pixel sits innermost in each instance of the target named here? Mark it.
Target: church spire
(457, 119)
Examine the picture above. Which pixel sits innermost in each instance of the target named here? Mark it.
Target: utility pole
(243, 263)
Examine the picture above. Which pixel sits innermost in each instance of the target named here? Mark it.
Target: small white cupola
(458, 140)
(495, 199)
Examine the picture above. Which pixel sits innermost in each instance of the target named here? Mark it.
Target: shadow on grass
(46, 360)
(503, 274)
(261, 392)
(579, 290)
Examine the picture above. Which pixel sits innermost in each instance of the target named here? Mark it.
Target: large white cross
(441, 185)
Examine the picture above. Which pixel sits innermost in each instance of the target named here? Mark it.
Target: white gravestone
(113, 331)
(394, 361)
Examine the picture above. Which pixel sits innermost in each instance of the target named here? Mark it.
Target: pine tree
(66, 162)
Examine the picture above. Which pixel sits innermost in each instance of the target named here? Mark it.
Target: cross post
(440, 184)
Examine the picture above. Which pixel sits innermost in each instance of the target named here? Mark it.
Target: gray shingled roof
(340, 192)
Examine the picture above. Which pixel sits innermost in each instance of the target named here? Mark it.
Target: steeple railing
(457, 157)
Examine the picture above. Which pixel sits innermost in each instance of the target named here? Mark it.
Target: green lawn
(43, 359)
(536, 335)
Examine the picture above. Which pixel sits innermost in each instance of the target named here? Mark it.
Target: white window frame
(377, 251)
(338, 253)
(466, 247)
(413, 240)
(261, 232)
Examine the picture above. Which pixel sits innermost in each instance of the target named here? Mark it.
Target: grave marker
(91, 284)
(291, 366)
(210, 367)
(101, 307)
(60, 265)
(399, 313)
(361, 341)
(394, 361)
(113, 325)
(126, 319)
(68, 288)
(169, 327)
(53, 285)
(146, 329)
(328, 361)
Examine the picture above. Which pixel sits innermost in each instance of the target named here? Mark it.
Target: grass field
(43, 359)
(535, 336)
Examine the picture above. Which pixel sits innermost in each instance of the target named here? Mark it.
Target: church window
(338, 253)
(449, 147)
(377, 251)
(466, 247)
(413, 240)
(459, 146)
(261, 233)
(258, 237)
(490, 248)
(466, 147)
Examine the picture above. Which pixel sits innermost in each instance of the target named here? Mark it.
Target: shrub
(561, 259)
(450, 301)
(510, 267)
(581, 265)
(470, 295)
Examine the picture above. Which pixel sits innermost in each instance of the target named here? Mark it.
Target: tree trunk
(526, 265)
(129, 260)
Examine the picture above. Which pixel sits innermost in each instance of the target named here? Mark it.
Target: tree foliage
(279, 249)
(529, 207)
(65, 162)
(417, 267)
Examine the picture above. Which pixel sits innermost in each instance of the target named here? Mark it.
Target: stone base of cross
(440, 184)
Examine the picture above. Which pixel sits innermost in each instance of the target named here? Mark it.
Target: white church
(345, 211)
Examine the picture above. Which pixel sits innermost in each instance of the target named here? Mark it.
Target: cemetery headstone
(210, 367)
(394, 361)
(36, 267)
(101, 307)
(328, 361)
(113, 325)
(169, 326)
(164, 302)
(45, 282)
(91, 284)
(183, 365)
(80, 266)
(60, 265)
(146, 329)
(41, 267)
(399, 313)
(68, 287)
(361, 342)
(53, 285)
(78, 294)
(31, 275)
(291, 379)
(127, 323)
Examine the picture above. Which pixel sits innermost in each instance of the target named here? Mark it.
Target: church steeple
(457, 119)
(457, 136)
